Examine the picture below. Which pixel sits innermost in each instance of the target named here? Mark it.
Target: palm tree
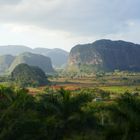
(20, 118)
(6, 93)
(65, 113)
(125, 116)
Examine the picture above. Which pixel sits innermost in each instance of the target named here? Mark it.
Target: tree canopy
(62, 115)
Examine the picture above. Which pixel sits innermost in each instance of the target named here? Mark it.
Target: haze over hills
(59, 57)
(14, 49)
(8, 62)
(31, 59)
(5, 62)
(105, 55)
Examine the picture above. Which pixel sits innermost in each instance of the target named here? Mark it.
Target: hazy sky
(65, 23)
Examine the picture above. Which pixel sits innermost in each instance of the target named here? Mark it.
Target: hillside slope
(105, 55)
(59, 57)
(5, 62)
(41, 61)
(25, 75)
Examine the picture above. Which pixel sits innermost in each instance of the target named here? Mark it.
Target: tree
(65, 113)
(19, 120)
(125, 120)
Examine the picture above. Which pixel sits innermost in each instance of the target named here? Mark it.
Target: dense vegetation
(25, 75)
(62, 115)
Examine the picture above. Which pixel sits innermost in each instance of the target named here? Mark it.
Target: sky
(66, 23)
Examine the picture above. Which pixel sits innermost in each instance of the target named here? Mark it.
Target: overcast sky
(65, 23)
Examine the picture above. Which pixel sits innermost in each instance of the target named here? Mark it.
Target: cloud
(9, 2)
(78, 18)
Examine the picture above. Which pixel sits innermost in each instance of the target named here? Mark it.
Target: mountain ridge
(54, 54)
(31, 59)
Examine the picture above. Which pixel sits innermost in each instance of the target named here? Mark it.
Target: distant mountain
(59, 57)
(31, 59)
(105, 55)
(14, 49)
(5, 62)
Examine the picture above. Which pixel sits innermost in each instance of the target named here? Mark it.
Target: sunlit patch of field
(122, 89)
(111, 83)
(34, 91)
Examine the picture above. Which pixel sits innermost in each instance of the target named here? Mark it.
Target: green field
(112, 82)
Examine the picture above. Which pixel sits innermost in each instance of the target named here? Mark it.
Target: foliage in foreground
(67, 116)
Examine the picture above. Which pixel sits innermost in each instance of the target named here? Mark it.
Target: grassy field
(114, 83)
(122, 89)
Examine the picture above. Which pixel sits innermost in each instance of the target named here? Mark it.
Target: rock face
(41, 61)
(105, 55)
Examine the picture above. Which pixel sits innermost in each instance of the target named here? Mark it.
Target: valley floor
(118, 83)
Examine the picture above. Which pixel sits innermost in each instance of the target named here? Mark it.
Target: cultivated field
(115, 82)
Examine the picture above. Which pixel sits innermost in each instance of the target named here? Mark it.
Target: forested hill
(105, 55)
